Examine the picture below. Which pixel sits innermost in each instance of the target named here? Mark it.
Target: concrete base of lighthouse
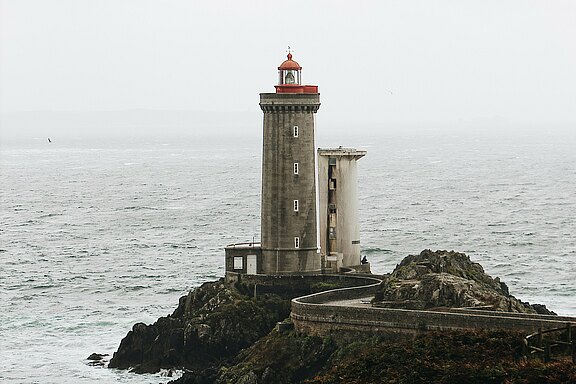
(287, 261)
(251, 259)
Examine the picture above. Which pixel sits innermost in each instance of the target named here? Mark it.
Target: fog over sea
(99, 234)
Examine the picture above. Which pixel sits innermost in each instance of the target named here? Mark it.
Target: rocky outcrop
(220, 334)
(212, 323)
(430, 358)
(447, 279)
(278, 358)
(97, 360)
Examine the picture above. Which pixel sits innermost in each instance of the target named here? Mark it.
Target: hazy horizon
(392, 65)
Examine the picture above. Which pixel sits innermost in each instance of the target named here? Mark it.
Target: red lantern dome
(290, 64)
(290, 78)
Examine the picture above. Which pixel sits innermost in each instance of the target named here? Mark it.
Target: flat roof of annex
(341, 152)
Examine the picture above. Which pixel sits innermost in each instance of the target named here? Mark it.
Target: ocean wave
(502, 265)
(48, 215)
(183, 246)
(376, 250)
(139, 208)
(24, 298)
(520, 243)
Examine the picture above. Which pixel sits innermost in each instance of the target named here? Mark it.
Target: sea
(100, 233)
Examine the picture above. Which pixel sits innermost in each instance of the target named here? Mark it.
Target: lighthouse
(288, 211)
(309, 211)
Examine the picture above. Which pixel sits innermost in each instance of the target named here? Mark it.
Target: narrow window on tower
(295, 205)
(296, 242)
(295, 131)
(295, 168)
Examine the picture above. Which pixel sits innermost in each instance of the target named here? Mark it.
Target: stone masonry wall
(298, 285)
(311, 316)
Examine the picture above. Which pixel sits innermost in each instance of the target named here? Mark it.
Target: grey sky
(376, 62)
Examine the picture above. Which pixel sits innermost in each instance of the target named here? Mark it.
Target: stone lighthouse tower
(288, 216)
(306, 227)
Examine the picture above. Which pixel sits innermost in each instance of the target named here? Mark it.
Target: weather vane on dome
(289, 50)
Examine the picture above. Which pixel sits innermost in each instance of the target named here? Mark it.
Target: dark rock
(212, 323)
(503, 287)
(97, 360)
(96, 363)
(539, 308)
(279, 358)
(97, 356)
(149, 366)
(479, 356)
(207, 376)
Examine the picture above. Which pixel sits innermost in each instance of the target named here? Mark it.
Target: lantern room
(290, 78)
(289, 72)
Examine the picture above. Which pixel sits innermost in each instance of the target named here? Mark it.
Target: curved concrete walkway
(349, 311)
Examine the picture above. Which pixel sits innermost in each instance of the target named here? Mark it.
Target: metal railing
(244, 245)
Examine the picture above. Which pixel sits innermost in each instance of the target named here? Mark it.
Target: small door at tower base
(251, 268)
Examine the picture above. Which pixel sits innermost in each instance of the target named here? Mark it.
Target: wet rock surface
(97, 359)
(212, 323)
(447, 279)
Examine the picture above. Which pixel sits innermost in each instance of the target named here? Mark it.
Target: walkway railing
(352, 292)
(332, 312)
(560, 342)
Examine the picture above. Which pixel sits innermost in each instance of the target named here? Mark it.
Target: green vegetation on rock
(482, 357)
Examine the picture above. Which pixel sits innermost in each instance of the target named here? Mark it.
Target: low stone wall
(297, 285)
(351, 291)
(311, 315)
